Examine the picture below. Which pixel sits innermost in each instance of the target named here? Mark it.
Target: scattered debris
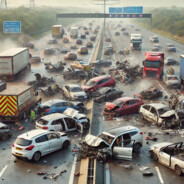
(77, 174)
(151, 93)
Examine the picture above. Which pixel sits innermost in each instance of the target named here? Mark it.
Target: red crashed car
(98, 82)
(123, 106)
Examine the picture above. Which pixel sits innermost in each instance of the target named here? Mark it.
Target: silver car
(172, 81)
(119, 142)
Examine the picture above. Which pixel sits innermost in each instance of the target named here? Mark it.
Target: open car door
(122, 153)
(79, 127)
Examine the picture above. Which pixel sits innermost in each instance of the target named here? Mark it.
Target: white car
(158, 113)
(170, 155)
(172, 81)
(58, 122)
(79, 117)
(74, 92)
(34, 144)
(118, 142)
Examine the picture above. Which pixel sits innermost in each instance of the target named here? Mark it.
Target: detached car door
(124, 153)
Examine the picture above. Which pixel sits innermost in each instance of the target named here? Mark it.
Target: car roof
(118, 130)
(72, 85)
(100, 77)
(124, 99)
(157, 105)
(53, 116)
(54, 101)
(32, 133)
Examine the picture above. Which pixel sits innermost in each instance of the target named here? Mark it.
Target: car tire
(66, 144)
(118, 114)
(137, 147)
(154, 156)
(86, 125)
(36, 156)
(178, 170)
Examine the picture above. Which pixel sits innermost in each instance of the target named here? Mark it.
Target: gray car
(172, 81)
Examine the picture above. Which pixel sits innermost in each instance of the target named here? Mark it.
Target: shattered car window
(163, 110)
(90, 83)
(118, 102)
(106, 138)
(76, 89)
(42, 122)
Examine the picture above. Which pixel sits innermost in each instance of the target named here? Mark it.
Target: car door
(59, 107)
(43, 144)
(126, 108)
(70, 124)
(57, 125)
(79, 127)
(119, 151)
(54, 142)
(164, 157)
(153, 116)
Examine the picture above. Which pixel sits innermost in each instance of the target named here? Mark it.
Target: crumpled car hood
(167, 114)
(94, 141)
(109, 106)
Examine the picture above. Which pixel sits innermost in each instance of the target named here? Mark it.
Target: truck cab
(136, 41)
(153, 65)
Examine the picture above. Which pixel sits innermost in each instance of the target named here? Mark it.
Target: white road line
(73, 170)
(3, 170)
(163, 89)
(159, 175)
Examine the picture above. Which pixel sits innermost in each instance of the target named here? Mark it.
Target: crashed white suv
(117, 142)
(158, 113)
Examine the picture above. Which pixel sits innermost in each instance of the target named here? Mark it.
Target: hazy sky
(148, 3)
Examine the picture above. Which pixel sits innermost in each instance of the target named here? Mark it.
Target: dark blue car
(57, 105)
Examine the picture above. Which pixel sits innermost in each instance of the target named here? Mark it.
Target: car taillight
(30, 148)
(45, 128)
(47, 110)
(141, 133)
(13, 145)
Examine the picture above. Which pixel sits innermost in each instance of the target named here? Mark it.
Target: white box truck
(13, 61)
(136, 41)
(74, 32)
(58, 31)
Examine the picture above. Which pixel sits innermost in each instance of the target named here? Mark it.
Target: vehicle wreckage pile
(125, 72)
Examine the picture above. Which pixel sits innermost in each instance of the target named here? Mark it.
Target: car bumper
(22, 154)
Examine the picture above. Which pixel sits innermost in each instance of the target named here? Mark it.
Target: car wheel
(178, 170)
(5, 136)
(36, 156)
(65, 144)
(118, 114)
(86, 125)
(137, 147)
(154, 156)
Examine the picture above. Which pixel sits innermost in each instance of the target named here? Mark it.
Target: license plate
(4, 77)
(18, 154)
(19, 149)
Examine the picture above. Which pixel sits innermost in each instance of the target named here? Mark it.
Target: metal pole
(104, 16)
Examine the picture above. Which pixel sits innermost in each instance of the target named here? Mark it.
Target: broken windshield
(106, 138)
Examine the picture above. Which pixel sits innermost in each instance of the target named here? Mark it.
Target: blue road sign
(12, 26)
(133, 9)
(115, 10)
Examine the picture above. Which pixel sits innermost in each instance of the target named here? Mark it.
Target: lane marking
(163, 89)
(73, 170)
(159, 175)
(3, 170)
